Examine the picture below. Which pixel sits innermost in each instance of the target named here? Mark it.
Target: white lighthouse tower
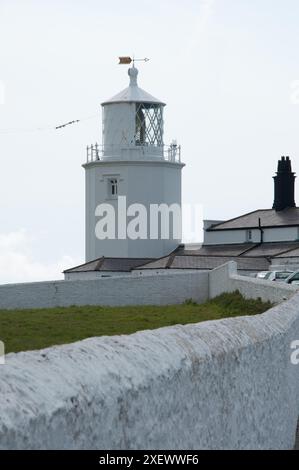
(132, 168)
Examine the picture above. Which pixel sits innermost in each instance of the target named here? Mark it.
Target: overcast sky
(227, 69)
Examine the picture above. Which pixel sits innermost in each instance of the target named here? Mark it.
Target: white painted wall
(226, 279)
(225, 384)
(162, 272)
(276, 234)
(139, 272)
(171, 288)
(156, 287)
(144, 182)
(224, 237)
(118, 127)
(280, 234)
(84, 276)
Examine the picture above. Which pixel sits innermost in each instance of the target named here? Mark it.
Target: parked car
(262, 274)
(279, 276)
(293, 278)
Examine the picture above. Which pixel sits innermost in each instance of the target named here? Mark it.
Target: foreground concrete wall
(160, 290)
(226, 279)
(225, 384)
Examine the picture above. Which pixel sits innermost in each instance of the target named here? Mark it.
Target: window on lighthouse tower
(113, 190)
(140, 126)
(149, 124)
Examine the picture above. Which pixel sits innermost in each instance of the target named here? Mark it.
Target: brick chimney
(284, 185)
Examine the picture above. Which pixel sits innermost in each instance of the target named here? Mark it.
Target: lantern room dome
(133, 93)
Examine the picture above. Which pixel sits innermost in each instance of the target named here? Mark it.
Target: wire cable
(15, 130)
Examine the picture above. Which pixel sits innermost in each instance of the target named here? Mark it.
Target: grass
(23, 330)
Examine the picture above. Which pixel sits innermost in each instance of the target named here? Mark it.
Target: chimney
(284, 185)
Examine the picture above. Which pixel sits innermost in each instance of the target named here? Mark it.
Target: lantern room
(133, 123)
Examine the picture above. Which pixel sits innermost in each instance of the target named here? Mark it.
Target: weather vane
(128, 60)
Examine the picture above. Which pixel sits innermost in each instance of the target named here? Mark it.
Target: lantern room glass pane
(149, 124)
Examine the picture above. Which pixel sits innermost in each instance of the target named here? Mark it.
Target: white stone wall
(141, 288)
(226, 279)
(171, 288)
(225, 384)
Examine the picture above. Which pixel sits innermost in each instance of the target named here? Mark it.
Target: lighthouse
(133, 180)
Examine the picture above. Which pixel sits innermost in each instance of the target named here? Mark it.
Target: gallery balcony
(169, 153)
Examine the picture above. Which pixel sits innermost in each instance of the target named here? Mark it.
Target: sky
(227, 69)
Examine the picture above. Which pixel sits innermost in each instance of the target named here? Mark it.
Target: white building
(279, 224)
(133, 162)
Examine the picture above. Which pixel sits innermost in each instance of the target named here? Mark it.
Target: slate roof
(206, 262)
(272, 249)
(289, 254)
(269, 218)
(235, 249)
(249, 256)
(109, 264)
(268, 249)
